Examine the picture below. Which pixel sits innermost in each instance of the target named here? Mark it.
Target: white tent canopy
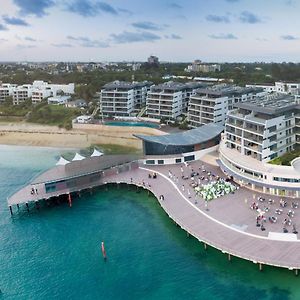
(78, 157)
(62, 162)
(96, 153)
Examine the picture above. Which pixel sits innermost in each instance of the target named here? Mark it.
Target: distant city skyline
(92, 30)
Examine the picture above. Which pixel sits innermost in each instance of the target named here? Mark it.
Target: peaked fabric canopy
(96, 153)
(62, 162)
(78, 157)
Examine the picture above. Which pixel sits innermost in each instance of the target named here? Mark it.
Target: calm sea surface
(55, 253)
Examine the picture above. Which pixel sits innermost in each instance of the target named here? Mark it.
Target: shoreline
(28, 134)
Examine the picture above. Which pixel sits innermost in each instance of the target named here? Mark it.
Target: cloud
(173, 37)
(62, 45)
(3, 40)
(132, 37)
(262, 39)
(125, 11)
(34, 7)
(289, 37)
(249, 17)
(147, 26)
(217, 19)
(30, 39)
(175, 5)
(87, 8)
(2, 27)
(14, 21)
(87, 42)
(223, 36)
(21, 46)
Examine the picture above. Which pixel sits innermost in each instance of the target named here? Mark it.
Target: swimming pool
(134, 124)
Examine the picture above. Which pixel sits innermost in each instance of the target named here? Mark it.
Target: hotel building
(211, 104)
(256, 132)
(120, 98)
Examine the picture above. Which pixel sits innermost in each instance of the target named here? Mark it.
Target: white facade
(169, 100)
(120, 98)
(210, 105)
(262, 129)
(6, 90)
(22, 93)
(279, 87)
(40, 90)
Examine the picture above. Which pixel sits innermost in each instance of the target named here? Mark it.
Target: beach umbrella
(78, 157)
(96, 153)
(62, 162)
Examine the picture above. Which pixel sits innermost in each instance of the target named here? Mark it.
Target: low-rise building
(292, 88)
(78, 103)
(211, 104)
(120, 98)
(58, 100)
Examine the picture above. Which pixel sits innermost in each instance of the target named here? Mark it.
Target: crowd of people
(284, 211)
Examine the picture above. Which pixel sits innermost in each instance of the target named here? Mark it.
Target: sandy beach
(82, 136)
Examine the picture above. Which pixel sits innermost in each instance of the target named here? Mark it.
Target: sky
(131, 30)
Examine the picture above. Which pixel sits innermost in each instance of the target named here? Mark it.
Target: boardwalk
(214, 227)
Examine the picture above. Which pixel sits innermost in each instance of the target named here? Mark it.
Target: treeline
(89, 82)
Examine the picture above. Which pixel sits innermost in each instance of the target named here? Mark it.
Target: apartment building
(40, 90)
(120, 98)
(169, 100)
(22, 93)
(263, 128)
(6, 90)
(199, 66)
(211, 104)
(292, 88)
(256, 132)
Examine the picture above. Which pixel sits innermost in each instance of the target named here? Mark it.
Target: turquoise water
(134, 124)
(55, 253)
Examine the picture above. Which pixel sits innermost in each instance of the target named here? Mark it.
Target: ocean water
(55, 253)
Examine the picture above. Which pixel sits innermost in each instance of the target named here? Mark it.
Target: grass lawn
(285, 160)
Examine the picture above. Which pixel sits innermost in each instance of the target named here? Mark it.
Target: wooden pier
(185, 212)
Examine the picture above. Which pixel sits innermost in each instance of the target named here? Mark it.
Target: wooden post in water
(260, 266)
(10, 209)
(18, 206)
(296, 272)
(37, 204)
(229, 257)
(27, 206)
(205, 246)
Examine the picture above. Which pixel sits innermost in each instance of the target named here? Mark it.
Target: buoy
(103, 250)
(70, 200)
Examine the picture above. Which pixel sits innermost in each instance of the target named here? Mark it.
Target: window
(160, 161)
(178, 160)
(189, 158)
(150, 162)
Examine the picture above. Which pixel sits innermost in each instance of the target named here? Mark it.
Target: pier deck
(220, 226)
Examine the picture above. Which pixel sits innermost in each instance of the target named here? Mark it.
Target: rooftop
(126, 85)
(222, 90)
(271, 104)
(178, 86)
(187, 138)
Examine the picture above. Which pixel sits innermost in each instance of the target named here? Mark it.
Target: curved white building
(257, 132)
